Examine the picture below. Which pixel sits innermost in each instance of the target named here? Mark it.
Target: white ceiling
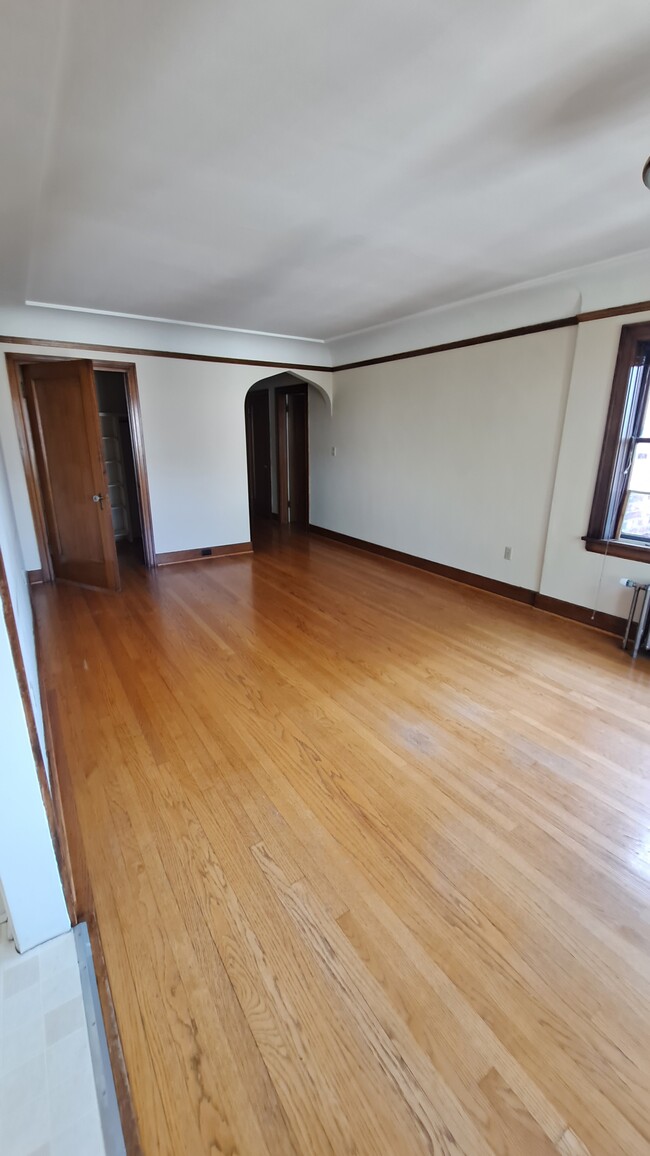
(317, 166)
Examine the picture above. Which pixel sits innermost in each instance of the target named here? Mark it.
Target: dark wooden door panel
(260, 452)
(298, 446)
(65, 426)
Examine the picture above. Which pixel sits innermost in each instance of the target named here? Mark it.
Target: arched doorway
(277, 449)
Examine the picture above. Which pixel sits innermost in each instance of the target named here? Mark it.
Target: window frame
(622, 434)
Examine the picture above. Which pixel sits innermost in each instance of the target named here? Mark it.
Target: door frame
(281, 394)
(250, 451)
(15, 362)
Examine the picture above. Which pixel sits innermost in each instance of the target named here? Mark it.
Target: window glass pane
(636, 518)
(645, 427)
(640, 473)
(639, 478)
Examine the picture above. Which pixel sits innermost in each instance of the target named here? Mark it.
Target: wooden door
(63, 415)
(259, 453)
(298, 458)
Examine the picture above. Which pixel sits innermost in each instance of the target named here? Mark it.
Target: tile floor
(48, 1101)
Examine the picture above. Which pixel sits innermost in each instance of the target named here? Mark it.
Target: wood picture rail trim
(133, 351)
(611, 623)
(464, 342)
(482, 339)
(503, 334)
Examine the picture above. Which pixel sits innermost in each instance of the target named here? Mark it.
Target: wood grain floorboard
(369, 854)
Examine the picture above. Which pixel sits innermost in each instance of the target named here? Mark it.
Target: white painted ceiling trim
(100, 330)
(603, 285)
(172, 321)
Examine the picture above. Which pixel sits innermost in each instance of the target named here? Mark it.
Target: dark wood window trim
(618, 549)
(625, 405)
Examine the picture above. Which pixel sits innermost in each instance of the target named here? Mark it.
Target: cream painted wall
(454, 455)
(450, 456)
(19, 594)
(28, 869)
(195, 443)
(29, 874)
(570, 572)
(193, 421)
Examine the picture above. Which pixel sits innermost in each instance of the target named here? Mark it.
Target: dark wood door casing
(258, 438)
(292, 424)
(62, 408)
(17, 365)
(297, 434)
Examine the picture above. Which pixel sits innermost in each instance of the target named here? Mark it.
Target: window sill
(618, 549)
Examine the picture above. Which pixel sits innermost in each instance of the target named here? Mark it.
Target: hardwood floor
(370, 856)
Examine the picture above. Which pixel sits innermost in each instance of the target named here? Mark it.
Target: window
(620, 515)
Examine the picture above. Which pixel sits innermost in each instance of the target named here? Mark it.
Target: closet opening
(80, 433)
(119, 464)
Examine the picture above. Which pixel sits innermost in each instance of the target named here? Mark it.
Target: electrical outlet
(507, 553)
(333, 451)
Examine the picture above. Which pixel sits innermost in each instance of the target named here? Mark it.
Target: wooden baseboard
(35, 577)
(172, 557)
(610, 623)
(505, 589)
(115, 1052)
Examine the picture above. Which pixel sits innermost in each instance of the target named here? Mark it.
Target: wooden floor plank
(369, 857)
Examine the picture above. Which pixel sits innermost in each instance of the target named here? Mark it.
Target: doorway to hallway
(277, 446)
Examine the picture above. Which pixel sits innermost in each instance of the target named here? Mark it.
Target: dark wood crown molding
(130, 351)
(502, 335)
(615, 311)
(464, 342)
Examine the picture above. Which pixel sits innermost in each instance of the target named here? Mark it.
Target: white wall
(56, 324)
(616, 282)
(19, 593)
(195, 444)
(449, 456)
(454, 455)
(28, 869)
(571, 572)
(193, 422)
